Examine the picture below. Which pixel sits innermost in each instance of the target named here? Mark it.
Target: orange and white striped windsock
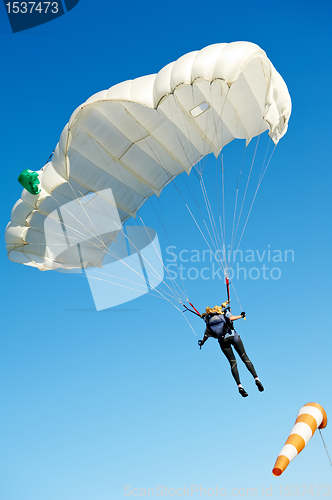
(311, 416)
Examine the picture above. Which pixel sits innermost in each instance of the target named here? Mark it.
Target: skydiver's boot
(243, 393)
(259, 384)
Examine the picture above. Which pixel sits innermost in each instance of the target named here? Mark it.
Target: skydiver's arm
(201, 342)
(233, 318)
(204, 338)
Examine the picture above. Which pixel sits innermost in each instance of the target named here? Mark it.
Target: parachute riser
(228, 293)
(190, 310)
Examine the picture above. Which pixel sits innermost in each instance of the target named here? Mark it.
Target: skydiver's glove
(243, 314)
(200, 343)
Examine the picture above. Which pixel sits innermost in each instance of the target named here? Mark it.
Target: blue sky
(94, 401)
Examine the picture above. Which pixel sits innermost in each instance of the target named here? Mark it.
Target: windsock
(311, 416)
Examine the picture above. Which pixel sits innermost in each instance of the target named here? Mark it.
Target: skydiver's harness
(227, 325)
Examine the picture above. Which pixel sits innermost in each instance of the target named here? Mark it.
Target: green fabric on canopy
(29, 180)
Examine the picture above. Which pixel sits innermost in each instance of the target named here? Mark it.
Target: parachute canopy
(125, 144)
(310, 416)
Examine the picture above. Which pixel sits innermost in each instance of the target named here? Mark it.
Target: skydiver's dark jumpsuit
(217, 330)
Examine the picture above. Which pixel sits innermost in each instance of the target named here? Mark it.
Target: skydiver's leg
(228, 351)
(239, 347)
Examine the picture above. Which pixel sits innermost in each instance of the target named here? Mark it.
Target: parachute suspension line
(223, 244)
(184, 288)
(216, 242)
(219, 245)
(175, 260)
(264, 161)
(184, 201)
(223, 249)
(176, 293)
(142, 290)
(222, 211)
(321, 435)
(48, 159)
(155, 273)
(210, 214)
(198, 206)
(244, 197)
(130, 281)
(237, 298)
(223, 207)
(168, 300)
(206, 241)
(173, 293)
(190, 190)
(96, 278)
(236, 199)
(253, 201)
(263, 173)
(228, 293)
(161, 294)
(185, 317)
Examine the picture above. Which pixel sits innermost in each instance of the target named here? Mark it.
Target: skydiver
(219, 325)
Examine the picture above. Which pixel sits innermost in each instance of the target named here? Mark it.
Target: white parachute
(125, 144)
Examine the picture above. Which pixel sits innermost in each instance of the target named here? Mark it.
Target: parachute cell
(135, 138)
(310, 416)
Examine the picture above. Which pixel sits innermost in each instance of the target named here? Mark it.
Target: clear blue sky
(94, 401)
